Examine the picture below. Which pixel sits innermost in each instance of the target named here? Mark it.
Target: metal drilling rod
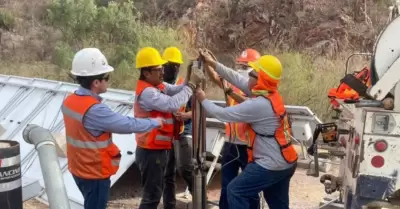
(199, 200)
(203, 149)
(52, 175)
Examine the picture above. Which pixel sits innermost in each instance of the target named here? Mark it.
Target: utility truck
(365, 135)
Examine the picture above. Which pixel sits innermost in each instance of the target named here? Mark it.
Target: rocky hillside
(312, 38)
(321, 27)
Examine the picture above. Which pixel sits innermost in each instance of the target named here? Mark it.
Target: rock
(325, 47)
(289, 25)
(9, 41)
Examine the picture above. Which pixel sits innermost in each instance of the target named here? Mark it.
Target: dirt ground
(306, 192)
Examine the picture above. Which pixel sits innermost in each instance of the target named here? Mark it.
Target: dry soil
(306, 192)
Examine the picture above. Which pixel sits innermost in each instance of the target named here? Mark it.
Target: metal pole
(52, 175)
(199, 200)
(348, 60)
(10, 175)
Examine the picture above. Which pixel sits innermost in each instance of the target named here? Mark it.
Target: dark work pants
(95, 192)
(234, 157)
(183, 156)
(255, 179)
(157, 171)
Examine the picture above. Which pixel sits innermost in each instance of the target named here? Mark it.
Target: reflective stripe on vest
(282, 133)
(236, 130)
(160, 138)
(181, 124)
(89, 157)
(89, 145)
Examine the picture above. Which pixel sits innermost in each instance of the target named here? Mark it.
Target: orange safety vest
(180, 125)
(238, 130)
(282, 133)
(343, 91)
(89, 157)
(155, 139)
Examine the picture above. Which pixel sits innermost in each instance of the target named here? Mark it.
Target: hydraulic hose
(52, 175)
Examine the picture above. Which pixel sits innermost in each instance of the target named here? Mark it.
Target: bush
(7, 19)
(307, 80)
(63, 55)
(115, 29)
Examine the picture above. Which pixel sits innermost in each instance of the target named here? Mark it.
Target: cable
(229, 124)
(262, 204)
(44, 115)
(230, 129)
(231, 161)
(33, 155)
(51, 126)
(31, 159)
(230, 135)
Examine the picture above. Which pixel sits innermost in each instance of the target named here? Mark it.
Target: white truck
(366, 135)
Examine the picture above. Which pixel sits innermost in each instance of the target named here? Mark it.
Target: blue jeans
(230, 169)
(95, 192)
(255, 179)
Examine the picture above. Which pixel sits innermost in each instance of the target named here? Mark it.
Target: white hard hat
(90, 62)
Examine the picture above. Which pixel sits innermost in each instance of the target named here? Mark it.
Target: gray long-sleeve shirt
(100, 118)
(255, 111)
(174, 97)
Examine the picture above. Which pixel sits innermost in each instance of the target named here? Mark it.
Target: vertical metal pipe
(203, 150)
(10, 175)
(199, 177)
(52, 175)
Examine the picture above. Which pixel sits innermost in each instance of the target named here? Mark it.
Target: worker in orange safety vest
(155, 98)
(271, 155)
(89, 124)
(234, 154)
(182, 146)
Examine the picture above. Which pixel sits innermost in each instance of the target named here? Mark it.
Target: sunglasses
(253, 74)
(106, 77)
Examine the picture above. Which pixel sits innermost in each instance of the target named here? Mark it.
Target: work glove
(196, 78)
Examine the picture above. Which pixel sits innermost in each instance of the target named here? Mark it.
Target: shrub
(115, 29)
(307, 80)
(7, 19)
(63, 55)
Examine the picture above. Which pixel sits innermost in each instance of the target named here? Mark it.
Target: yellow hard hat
(268, 64)
(147, 57)
(173, 54)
